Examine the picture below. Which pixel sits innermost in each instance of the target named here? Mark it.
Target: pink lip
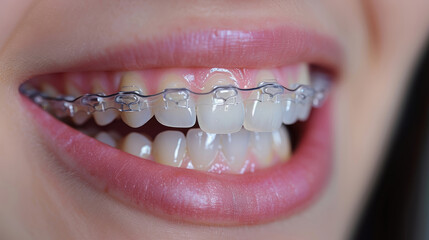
(195, 196)
(192, 195)
(221, 48)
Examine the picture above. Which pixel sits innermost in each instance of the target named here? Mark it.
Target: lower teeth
(239, 152)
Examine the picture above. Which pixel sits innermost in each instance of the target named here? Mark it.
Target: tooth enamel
(289, 112)
(234, 147)
(80, 117)
(281, 143)
(202, 148)
(304, 106)
(106, 138)
(132, 81)
(262, 113)
(137, 145)
(174, 110)
(261, 145)
(169, 148)
(49, 90)
(304, 109)
(109, 115)
(303, 75)
(213, 115)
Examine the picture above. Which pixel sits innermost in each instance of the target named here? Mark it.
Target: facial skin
(380, 43)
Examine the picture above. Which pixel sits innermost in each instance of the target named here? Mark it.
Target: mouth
(216, 127)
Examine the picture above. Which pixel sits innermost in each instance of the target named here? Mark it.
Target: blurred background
(398, 207)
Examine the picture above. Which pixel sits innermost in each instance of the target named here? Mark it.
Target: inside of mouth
(217, 120)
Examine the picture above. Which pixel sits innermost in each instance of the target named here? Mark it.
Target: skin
(381, 42)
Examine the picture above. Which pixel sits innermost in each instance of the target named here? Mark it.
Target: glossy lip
(220, 48)
(194, 196)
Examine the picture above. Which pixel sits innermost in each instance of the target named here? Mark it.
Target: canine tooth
(234, 147)
(106, 117)
(261, 145)
(281, 143)
(289, 112)
(106, 138)
(177, 109)
(80, 117)
(262, 114)
(202, 148)
(169, 148)
(137, 145)
(215, 115)
(132, 81)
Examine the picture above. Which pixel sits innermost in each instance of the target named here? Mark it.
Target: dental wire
(132, 101)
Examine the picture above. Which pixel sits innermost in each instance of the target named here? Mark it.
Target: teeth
(234, 147)
(106, 138)
(215, 115)
(304, 107)
(137, 145)
(49, 90)
(174, 110)
(261, 145)
(263, 113)
(281, 143)
(132, 81)
(106, 117)
(303, 74)
(169, 148)
(289, 112)
(202, 148)
(79, 118)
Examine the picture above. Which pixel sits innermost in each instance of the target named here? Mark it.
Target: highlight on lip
(204, 159)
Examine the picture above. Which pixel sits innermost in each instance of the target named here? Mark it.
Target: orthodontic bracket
(135, 101)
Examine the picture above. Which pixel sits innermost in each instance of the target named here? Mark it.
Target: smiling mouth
(211, 144)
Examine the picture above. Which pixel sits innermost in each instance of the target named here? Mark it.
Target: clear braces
(135, 101)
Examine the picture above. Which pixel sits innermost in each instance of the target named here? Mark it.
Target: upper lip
(196, 196)
(216, 47)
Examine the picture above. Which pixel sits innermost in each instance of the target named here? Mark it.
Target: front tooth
(215, 115)
(169, 148)
(202, 148)
(132, 81)
(106, 138)
(137, 145)
(281, 143)
(261, 145)
(109, 115)
(175, 109)
(263, 113)
(289, 111)
(234, 147)
(80, 117)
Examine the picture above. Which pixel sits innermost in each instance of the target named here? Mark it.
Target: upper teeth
(223, 110)
(131, 81)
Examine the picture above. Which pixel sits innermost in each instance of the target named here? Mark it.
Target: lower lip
(194, 196)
